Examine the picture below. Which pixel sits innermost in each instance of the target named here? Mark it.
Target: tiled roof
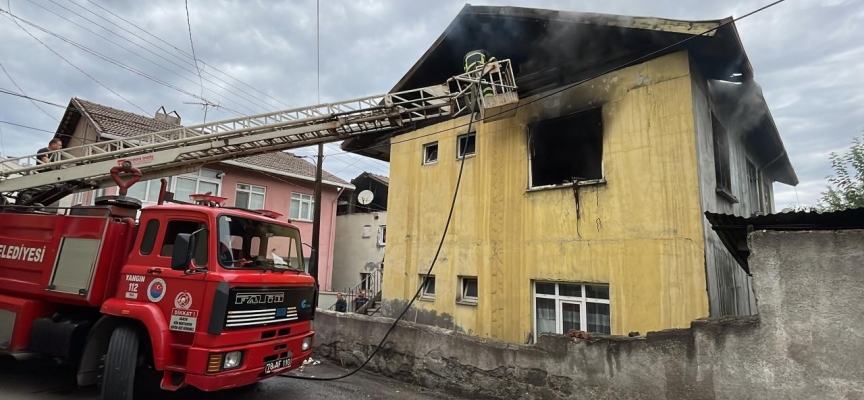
(116, 122)
(121, 123)
(288, 162)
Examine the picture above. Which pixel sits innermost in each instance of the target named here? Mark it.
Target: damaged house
(585, 211)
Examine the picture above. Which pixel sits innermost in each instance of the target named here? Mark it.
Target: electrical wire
(117, 63)
(9, 6)
(9, 92)
(139, 55)
(194, 57)
(25, 126)
(25, 93)
(459, 180)
(426, 277)
(177, 49)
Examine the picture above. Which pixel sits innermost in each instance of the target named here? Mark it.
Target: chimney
(164, 116)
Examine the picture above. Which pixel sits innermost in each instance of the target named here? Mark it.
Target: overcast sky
(807, 56)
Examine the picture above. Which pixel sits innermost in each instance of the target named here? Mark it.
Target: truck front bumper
(252, 364)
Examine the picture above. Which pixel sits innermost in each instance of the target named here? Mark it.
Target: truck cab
(189, 295)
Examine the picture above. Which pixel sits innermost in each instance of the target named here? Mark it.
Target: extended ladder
(186, 149)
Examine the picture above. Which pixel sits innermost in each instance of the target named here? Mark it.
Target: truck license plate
(277, 364)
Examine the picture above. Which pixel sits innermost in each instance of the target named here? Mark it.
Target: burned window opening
(722, 166)
(567, 149)
(430, 153)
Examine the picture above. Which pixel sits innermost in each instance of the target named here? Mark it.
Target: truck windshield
(246, 243)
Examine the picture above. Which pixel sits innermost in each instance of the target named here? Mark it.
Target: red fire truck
(180, 294)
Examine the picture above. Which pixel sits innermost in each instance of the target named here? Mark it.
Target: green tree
(846, 188)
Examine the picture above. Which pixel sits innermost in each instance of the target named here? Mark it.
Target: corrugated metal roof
(733, 229)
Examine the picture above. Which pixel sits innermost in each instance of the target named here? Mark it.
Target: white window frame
(382, 235)
(250, 192)
(559, 300)
(463, 288)
(423, 294)
(198, 179)
(459, 154)
(147, 201)
(437, 153)
(304, 198)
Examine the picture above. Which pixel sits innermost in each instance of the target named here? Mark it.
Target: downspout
(329, 286)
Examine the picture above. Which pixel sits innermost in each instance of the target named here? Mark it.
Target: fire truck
(183, 293)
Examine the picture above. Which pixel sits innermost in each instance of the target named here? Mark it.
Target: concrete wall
(355, 254)
(640, 231)
(805, 343)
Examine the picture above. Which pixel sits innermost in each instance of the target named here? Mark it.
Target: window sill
(429, 299)
(566, 185)
(726, 195)
(466, 302)
(431, 163)
(472, 155)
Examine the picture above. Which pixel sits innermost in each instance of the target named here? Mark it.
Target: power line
(25, 93)
(9, 6)
(117, 63)
(459, 180)
(25, 126)
(194, 57)
(9, 92)
(178, 50)
(137, 54)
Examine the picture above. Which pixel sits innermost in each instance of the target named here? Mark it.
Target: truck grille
(260, 317)
(263, 306)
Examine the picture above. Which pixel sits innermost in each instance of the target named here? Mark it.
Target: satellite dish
(365, 197)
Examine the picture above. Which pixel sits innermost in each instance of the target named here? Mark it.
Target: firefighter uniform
(477, 59)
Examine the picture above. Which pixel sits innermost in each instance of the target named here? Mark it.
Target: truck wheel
(120, 362)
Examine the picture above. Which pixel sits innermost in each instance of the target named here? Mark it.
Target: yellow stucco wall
(640, 231)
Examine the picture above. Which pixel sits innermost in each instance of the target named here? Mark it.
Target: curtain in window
(545, 316)
(598, 318)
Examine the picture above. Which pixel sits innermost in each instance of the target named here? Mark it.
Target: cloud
(805, 54)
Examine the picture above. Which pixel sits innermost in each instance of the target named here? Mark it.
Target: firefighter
(477, 59)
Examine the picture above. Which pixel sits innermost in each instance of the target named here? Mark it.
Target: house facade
(277, 181)
(361, 235)
(584, 211)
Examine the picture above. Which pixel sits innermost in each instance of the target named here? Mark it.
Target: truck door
(149, 277)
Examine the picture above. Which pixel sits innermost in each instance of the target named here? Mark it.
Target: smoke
(740, 107)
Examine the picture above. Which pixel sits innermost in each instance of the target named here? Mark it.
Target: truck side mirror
(181, 257)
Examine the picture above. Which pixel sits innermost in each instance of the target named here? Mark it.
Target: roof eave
(286, 174)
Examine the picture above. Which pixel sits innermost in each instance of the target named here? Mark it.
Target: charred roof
(550, 49)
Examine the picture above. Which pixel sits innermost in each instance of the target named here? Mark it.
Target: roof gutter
(286, 174)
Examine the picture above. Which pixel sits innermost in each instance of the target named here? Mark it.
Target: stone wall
(805, 344)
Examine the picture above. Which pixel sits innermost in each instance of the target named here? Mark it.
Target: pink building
(278, 181)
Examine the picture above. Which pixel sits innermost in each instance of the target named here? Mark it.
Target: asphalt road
(43, 379)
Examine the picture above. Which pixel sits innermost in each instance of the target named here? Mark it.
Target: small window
(466, 145)
(566, 149)
(430, 153)
(428, 291)
(149, 239)
(382, 235)
(302, 206)
(250, 197)
(467, 290)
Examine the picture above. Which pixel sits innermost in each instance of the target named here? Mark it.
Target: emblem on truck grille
(259, 298)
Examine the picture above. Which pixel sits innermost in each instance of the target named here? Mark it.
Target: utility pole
(316, 219)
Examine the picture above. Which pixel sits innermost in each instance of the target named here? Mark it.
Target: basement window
(566, 149)
(428, 291)
(466, 145)
(560, 307)
(430, 153)
(467, 290)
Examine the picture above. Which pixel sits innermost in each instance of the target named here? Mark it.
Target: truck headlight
(307, 343)
(231, 360)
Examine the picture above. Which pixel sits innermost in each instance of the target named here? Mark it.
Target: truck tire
(120, 362)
